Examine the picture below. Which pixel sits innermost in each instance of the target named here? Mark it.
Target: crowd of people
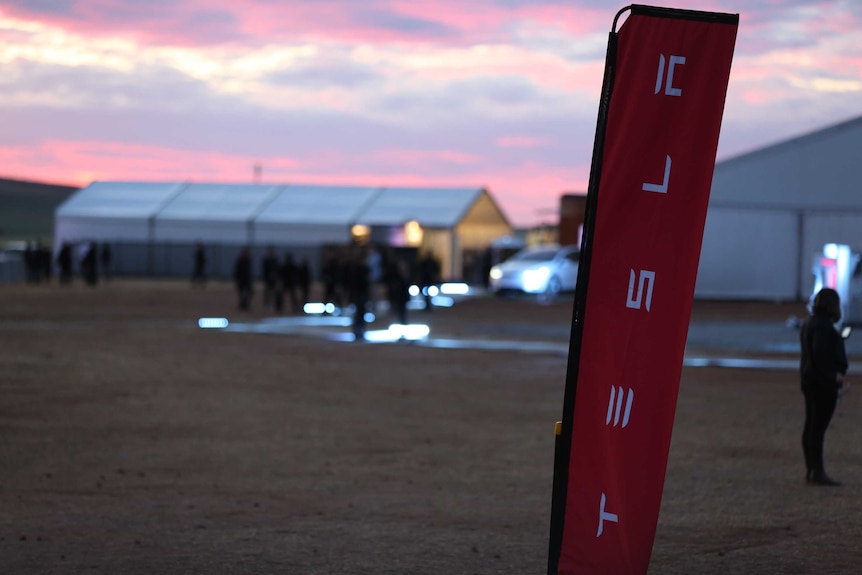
(361, 277)
(93, 259)
(358, 276)
(282, 279)
(37, 263)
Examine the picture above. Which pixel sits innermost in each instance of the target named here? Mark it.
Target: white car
(548, 269)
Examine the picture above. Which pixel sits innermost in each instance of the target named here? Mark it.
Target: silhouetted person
(242, 277)
(398, 288)
(31, 263)
(37, 263)
(289, 274)
(270, 276)
(359, 291)
(44, 262)
(429, 275)
(821, 369)
(88, 265)
(105, 261)
(331, 273)
(64, 262)
(303, 280)
(374, 261)
(199, 271)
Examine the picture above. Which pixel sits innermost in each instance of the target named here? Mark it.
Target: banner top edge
(617, 17)
(680, 13)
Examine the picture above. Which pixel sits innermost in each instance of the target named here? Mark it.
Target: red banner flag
(665, 83)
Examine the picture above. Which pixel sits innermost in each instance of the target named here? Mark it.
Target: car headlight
(495, 273)
(535, 279)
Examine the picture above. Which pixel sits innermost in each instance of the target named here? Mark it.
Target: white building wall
(748, 254)
(772, 210)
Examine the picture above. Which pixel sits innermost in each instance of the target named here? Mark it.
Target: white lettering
(669, 90)
(646, 279)
(660, 75)
(605, 516)
(616, 401)
(660, 188)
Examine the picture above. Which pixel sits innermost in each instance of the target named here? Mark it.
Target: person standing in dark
(45, 262)
(398, 288)
(288, 279)
(88, 265)
(359, 289)
(30, 263)
(331, 273)
(105, 261)
(429, 275)
(303, 280)
(822, 368)
(64, 262)
(36, 265)
(374, 261)
(199, 273)
(242, 276)
(270, 276)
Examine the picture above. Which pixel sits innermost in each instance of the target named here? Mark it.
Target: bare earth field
(132, 442)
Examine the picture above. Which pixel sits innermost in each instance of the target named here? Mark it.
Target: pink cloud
(254, 22)
(517, 83)
(477, 18)
(523, 190)
(848, 65)
(417, 159)
(832, 21)
(79, 162)
(756, 97)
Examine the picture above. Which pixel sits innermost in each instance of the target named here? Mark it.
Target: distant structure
(27, 212)
(772, 210)
(572, 208)
(153, 226)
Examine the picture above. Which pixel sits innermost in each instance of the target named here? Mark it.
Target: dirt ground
(133, 442)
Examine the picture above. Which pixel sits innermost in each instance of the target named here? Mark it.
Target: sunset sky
(496, 93)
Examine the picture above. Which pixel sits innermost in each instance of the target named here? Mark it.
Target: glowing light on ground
(314, 308)
(454, 289)
(398, 332)
(213, 323)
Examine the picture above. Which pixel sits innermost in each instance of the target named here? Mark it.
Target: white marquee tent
(458, 222)
(204, 211)
(311, 215)
(156, 225)
(121, 211)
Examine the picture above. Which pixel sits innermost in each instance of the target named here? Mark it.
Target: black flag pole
(563, 429)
